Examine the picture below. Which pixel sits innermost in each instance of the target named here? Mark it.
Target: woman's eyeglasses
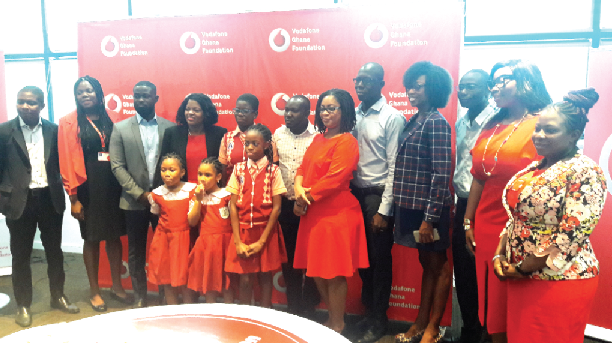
(500, 81)
(328, 109)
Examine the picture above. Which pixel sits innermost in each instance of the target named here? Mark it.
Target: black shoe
(63, 304)
(140, 302)
(23, 317)
(98, 308)
(362, 325)
(373, 333)
(125, 300)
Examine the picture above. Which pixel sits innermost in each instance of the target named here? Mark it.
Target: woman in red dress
(331, 241)
(503, 148)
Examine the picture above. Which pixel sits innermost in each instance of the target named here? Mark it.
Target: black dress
(100, 194)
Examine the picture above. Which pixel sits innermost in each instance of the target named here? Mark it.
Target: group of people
(323, 201)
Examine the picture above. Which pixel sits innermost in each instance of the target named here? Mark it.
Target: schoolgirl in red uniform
(169, 250)
(256, 186)
(210, 209)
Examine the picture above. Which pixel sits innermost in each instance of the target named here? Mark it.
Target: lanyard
(101, 134)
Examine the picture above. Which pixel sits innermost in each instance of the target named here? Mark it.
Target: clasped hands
(302, 199)
(248, 250)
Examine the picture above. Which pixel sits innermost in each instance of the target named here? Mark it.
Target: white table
(204, 323)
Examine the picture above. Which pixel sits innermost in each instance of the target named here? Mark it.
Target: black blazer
(175, 140)
(16, 171)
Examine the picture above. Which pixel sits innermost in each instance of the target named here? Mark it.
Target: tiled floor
(77, 290)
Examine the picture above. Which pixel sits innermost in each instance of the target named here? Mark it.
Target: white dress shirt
(467, 135)
(377, 132)
(36, 151)
(291, 149)
(149, 134)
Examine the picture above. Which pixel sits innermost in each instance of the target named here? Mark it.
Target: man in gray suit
(32, 195)
(134, 152)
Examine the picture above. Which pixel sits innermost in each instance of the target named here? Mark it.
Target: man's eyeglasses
(467, 87)
(500, 81)
(241, 111)
(329, 109)
(365, 80)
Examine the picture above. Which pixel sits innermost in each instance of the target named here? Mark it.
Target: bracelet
(496, 257)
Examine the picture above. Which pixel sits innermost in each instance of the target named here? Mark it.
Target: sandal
(98, 308)
(401, 338)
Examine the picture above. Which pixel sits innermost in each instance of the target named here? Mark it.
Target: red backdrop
(598, 146)
(3, 113)
(274, 56)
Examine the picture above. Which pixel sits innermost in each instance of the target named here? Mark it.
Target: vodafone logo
(604, 160)
(279, 40)
(112, 102)
(190, 43)
(279, 100)
(109, 46)
(376, 35)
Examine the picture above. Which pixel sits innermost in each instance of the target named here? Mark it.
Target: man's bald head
(369, 83)
(374, 69)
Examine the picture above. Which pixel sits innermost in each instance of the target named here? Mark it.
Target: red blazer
(72, 162)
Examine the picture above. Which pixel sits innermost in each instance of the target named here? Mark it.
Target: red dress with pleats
(207, 259)
(169, 250)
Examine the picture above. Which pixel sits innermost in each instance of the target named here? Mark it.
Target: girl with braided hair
(256, 186)
(83, 140)
(545, 253)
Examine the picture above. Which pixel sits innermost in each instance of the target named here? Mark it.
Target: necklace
(488, 173)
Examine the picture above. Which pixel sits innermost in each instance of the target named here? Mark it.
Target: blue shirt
(149, 135)
(377, 132)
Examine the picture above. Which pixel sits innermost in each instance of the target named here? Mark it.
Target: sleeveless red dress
(491, 217)
(169, 250)
(207, 259)
(255, 191)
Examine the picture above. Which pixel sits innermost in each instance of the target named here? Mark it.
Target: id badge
(103, 157)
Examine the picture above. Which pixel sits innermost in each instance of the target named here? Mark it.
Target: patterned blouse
(554, 215)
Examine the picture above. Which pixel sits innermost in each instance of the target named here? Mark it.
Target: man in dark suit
(31, 195)
(134, 152)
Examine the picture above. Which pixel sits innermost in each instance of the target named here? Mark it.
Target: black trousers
(465, 275)
(302, 293)
(39, 211)
(137, 226)
(376, 279)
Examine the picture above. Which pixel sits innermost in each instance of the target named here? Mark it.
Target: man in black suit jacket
(31, 195)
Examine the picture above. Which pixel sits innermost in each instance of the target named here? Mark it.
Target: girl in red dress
(331, 242)
(210, 209)
(169, 250)
(256, 186)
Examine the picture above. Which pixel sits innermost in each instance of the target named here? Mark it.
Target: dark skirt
(99, 195)
(407, 221)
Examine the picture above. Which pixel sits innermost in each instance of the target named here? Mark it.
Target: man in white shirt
(473, 94)
(377, 132)
(32, 195)
(292, 140)
(134, 153)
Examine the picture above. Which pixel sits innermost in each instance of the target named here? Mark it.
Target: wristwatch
(517, 267)
(467, 224)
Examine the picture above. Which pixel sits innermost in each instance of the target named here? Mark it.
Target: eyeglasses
(500, 81)
(416, 86)
(467, 87)
(241, 111)
(365, 80)
(329, 109)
